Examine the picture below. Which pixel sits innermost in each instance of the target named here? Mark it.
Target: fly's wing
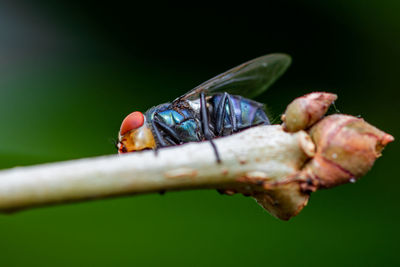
(248, 79)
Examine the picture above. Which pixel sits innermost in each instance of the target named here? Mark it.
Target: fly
(216, 108)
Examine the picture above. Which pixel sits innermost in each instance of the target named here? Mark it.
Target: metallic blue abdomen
(247, 113)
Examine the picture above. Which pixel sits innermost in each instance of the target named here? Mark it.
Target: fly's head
(135, 134)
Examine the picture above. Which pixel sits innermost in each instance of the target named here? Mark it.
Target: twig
(263, 151)
(266, 162)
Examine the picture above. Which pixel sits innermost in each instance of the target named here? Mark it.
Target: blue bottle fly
(213, 109)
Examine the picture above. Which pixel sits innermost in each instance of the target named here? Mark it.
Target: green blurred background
(70, 72)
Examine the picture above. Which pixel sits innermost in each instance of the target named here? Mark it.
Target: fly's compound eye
(132, 121)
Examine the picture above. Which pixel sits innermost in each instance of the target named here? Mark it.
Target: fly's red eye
(131, 122)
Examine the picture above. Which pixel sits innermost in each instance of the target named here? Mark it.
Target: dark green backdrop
(70, 72)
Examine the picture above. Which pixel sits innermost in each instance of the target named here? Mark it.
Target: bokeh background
(70, 72)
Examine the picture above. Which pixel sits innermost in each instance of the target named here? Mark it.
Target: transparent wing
(248, 79)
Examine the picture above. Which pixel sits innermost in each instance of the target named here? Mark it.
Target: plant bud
(347, 147)
(304, 111)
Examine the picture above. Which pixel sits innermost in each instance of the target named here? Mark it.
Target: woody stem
(265, 151)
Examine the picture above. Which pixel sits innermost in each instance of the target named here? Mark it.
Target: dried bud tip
(304, 111)
(386, 139)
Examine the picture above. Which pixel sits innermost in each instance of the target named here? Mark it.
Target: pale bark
(266, 152)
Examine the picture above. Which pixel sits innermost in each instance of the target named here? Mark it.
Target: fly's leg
(171, 134)
(158, 137)
(160, 140)
(205, 124)
(220, 114)
(232, 113)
